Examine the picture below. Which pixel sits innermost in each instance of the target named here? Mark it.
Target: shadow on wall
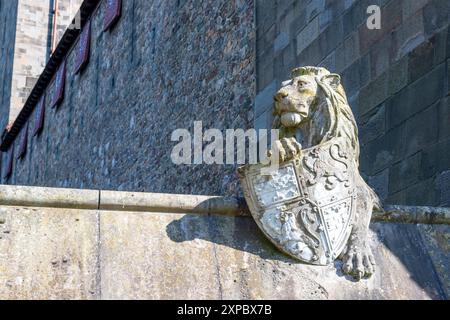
(423, 250)
(404, 241)
(241, 234)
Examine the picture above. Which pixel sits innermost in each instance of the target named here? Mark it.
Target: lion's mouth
(291, 119)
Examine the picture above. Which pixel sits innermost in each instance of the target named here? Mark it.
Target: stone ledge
(183, 204)
(53, 253)
(49, 197)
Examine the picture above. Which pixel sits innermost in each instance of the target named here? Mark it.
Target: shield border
(247, 173)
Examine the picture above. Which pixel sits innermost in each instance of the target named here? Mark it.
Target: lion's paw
(288, 148)
(358, 261)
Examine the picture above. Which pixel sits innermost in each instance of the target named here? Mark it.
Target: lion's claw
(359, 262)
(288, 148)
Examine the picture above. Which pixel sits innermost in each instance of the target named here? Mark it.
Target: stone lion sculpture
(311, 109)
(316, 206)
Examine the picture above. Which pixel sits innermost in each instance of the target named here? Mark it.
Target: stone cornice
(184, 204)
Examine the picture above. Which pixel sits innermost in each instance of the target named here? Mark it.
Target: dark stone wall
(397, 80)
(8, 16)
(169, 63)
(165, 65)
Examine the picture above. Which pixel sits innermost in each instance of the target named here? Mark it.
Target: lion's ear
(333, 80)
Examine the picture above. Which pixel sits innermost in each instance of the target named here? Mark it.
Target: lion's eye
(301, 84)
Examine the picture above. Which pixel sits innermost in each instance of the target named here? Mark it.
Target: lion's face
(294, 100)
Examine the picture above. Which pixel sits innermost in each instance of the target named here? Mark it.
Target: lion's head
(313, 104)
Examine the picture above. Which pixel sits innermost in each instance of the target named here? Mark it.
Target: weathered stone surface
(8, 18)
(307, 35)
(380, 184)
(48, 253)
(82, 254)
(155, 202)
(28, 29)
(49, 197)
(436, 240)
(134, 268)
(400, 67)
(228, 258)
(171, 62)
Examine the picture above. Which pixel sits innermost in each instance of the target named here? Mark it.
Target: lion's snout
(291, 119)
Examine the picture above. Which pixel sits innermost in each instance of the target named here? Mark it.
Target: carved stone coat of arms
(307, 206)
(314, 205)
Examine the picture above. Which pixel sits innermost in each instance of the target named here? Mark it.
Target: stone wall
(8, 16)
(169, 63)
(74, 249)
(67, 10)
(164, 65)
(26, 43)
(397, 80)
(30, 50)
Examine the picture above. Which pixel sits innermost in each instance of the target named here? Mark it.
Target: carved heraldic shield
(306, 207)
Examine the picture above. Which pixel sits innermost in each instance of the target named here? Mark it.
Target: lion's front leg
(288, 148)
(358, 258)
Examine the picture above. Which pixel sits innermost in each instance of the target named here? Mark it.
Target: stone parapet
(57, 244)
(175, 203)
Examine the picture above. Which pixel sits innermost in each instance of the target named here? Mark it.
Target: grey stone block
(383, 151)
(391, 19)
(381, 56)
(435, 159)
(264, 99)
(354, 17)
(262, 121)
(398, 76)
(329, 62)
(364, 70)
(405, 173)
(265, 69)
(380, 184)
(264, 15)
(420, 61)
(436, 15)
(408, 35)
(314, 8)
(331, 37)
(440, 42)
(411, 7)
(422, 130)
(348, 3)
(312, 55)
(307, 35)
(299, 22)
(375, 93)
(443, 187)
(281, 42)
(351, 79)
(423, 193)
(374, 125)
(325, 19)
(282, 8)
(416, 97)
(444, 119)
